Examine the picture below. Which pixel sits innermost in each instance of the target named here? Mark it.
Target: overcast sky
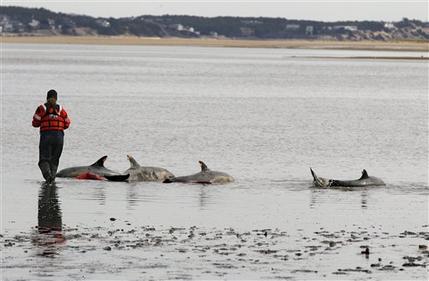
(393, 10)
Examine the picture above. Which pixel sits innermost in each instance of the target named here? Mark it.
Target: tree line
(31, 20)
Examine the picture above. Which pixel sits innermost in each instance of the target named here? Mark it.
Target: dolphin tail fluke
(100, 162)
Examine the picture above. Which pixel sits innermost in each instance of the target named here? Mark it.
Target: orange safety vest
(51, 119)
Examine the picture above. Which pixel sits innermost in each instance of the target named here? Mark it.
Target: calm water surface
(262, 115)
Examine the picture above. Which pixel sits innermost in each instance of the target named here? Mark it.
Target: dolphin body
(363, 181)
(206, 176)
(96, 171)
(139, 173)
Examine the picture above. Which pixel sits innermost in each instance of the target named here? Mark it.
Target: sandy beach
(210, 42)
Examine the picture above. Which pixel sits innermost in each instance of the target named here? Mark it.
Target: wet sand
(209, 42)
(206, 253)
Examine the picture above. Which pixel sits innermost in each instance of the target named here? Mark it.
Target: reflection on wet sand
(136, 194)
(100, 196)
(49, 229)
(132, 197)
(364, 199)
(203, 198)
(313, 198)
(317, 196)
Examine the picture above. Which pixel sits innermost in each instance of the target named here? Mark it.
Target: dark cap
(52, 94)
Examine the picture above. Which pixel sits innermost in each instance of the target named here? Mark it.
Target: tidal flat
(411, 45)
(264, 116)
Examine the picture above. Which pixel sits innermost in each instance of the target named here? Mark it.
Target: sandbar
(417, 46)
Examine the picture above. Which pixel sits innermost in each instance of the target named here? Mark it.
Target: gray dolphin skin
(206, 176)
(363, 181)
(140, 173)
(96, 171)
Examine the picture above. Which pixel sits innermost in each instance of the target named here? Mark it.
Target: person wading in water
(52, 120)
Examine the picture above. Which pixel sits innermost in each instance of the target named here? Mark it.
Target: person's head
(52, 96)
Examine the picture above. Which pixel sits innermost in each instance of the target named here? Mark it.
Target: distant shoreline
(409, 46)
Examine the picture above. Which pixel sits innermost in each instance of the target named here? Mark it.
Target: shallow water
(262, 116)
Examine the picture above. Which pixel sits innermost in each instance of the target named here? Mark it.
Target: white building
(34, 23)
(292, 26)
(8, 27)
(178, 27)
(346, 27)
(103, 23)
(309, 30)
(389, 25)
(51, 23)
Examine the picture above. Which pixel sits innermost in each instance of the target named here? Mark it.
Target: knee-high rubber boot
(56, 150)
(46, 170)
(45, 156)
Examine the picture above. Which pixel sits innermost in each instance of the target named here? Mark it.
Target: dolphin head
(133, 162)
(370, 180)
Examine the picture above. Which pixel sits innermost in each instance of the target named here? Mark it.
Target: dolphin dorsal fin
(133, 162)
(100, 162)
(313, 174)
(364, 174)
(204, 167)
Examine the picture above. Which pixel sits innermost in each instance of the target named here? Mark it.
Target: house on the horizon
(309, 30)
(103, 22)
(345, 27)
(292, 26)
(34, 23)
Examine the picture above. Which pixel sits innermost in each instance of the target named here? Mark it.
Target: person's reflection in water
(50, 231)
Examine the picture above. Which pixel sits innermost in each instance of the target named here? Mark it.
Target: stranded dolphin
(363, 181)
(139, 173)
(96, 171)
(206, 176)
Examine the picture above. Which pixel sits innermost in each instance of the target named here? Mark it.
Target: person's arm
(37, 117)
(67, 120)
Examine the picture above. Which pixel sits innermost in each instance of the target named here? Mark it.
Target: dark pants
(50, 149)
